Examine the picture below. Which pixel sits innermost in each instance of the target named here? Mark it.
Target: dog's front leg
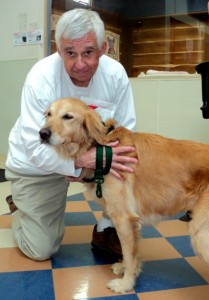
(130, 266)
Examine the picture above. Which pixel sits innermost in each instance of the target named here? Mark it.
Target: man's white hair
(76, 23)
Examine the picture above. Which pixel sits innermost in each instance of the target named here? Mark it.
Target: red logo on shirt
(93, 107)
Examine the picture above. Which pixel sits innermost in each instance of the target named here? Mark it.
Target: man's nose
(80, 62)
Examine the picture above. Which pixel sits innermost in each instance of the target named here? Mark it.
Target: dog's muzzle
(45, 135)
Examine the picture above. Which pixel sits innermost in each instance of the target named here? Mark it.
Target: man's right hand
(88, 159)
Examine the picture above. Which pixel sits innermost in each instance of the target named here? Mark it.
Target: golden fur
(171, 176)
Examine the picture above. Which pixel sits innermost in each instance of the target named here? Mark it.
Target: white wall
(170, 106)
(16, 61)
(21, 16)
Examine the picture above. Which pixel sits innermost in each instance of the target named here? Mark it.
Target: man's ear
(59, 52)
(104, 48)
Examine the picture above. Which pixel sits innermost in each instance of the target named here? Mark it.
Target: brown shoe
(187, 217)
(11, 204)
(107, 241)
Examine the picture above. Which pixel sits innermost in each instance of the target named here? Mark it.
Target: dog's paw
(120, 285)
(118, 268)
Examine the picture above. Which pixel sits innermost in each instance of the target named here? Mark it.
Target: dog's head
(72, 127)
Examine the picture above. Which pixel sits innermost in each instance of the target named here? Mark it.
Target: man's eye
(70, 53)
(67, 117)
(88, 53)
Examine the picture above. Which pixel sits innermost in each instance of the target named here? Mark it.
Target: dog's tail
(199, 226)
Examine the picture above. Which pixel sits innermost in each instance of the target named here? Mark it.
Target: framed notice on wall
(113, 44)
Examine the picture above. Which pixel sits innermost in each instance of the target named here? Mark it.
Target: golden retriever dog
(171, 176)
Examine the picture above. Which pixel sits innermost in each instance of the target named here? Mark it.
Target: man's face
(81, 58)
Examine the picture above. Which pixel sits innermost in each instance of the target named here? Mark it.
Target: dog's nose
(45, 134)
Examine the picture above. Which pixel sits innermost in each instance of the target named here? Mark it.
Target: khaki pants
(38, 224)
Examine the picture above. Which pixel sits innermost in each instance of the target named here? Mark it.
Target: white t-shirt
(109, 90)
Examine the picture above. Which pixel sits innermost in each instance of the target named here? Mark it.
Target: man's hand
(74, 179)
(88, 159)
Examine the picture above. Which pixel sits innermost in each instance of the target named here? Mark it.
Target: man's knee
(42, 251)
(34, 241)
(39, 247)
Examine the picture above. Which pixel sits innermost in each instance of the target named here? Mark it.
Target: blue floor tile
(33, 285)
(150, 232)
(79, 218)
(167, 274)
(77, 197)
(80, 255)
(177, 216)
(95, 206)
(182, 244)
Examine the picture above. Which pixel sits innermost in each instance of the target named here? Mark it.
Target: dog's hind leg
(199, 226)
(127, 231)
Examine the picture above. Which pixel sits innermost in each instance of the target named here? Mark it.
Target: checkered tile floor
(170, 268)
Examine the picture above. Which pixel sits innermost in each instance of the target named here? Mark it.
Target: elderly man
(38, 175)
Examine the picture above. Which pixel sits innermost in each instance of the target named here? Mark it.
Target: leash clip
(99, 181)
(99, 187)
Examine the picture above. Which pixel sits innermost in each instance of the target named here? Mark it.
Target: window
(85, 2)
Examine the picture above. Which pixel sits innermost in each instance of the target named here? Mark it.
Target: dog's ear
(110, 125)
(95, 128)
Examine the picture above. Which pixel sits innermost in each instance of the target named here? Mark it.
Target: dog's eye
(49, 114)
(67, 117)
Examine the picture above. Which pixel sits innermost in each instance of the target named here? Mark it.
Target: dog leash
(99, 173)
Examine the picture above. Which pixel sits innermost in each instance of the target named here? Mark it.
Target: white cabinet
(170, 105)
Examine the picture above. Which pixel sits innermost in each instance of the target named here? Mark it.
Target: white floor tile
(6, 239)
